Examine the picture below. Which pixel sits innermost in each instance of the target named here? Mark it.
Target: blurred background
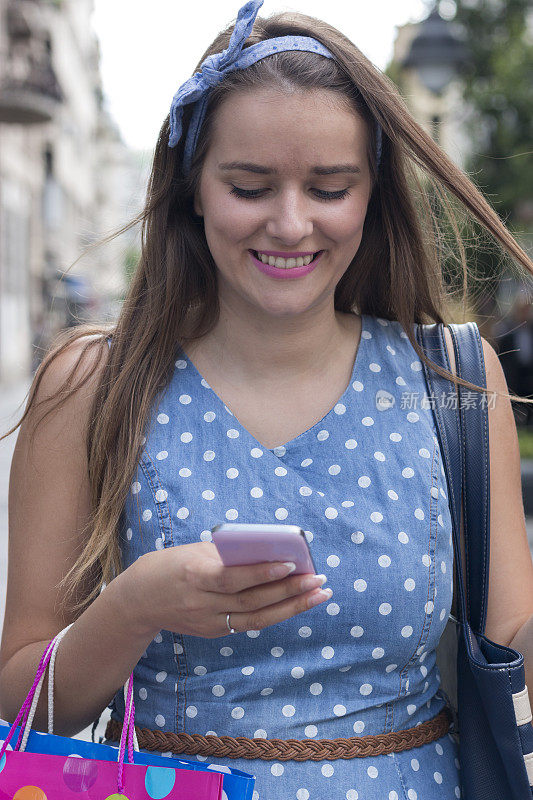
(86, 84)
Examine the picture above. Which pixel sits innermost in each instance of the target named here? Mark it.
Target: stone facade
(66, 180)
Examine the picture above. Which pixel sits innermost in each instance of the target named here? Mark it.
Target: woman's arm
(48, 505)
(510, 599)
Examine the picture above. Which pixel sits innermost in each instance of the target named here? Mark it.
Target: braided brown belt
(285, 749)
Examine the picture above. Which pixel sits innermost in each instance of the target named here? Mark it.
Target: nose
(289, 218)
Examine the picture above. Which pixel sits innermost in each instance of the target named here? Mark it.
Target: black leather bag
(489, 697)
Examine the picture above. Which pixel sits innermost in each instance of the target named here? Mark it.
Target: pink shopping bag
(33, 776)
(40, 776)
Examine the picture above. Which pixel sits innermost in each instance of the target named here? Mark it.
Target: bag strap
(473, 412)
(51, 695)
(467, 468)
(35, 700)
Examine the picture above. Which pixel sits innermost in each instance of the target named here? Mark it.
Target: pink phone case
(242, 543)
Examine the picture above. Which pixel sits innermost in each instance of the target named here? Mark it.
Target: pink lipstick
(290, 272)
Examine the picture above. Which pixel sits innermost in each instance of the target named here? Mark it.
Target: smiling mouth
(256, 254)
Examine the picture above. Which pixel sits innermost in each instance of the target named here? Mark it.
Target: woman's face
(291, 207)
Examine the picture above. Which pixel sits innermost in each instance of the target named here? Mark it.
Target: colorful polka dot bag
(47, 767)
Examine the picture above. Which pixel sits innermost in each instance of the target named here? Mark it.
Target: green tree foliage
(498, 86)
(498, 89)
(131, 258)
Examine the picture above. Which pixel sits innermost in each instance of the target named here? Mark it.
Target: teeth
(284, 263)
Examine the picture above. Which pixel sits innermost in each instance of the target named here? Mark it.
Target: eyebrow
(247, 166)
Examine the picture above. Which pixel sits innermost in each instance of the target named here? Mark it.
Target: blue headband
(196, 89)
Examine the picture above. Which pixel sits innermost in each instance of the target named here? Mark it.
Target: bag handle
(51, 690)
(27, 711)
(454, 428)
(476, 464)
(51, 668)
(37, 693)
(23, 712)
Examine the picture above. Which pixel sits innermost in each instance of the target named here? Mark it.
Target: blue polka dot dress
(367, 485)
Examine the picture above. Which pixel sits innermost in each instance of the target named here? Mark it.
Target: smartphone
(247, 543)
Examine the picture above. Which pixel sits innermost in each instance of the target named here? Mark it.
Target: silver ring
(230, 629)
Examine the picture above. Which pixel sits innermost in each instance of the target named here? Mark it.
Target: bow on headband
(214, 67)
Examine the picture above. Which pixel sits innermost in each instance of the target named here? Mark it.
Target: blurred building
(428, 55)
(427, 64)
(66, 180)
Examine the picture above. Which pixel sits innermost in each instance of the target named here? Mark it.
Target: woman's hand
(187, 589)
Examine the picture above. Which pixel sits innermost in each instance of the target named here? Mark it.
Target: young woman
(240, 384)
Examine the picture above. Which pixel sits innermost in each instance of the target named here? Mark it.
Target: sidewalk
(10, 397)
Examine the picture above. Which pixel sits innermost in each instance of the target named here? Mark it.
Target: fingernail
(312, 581)
(323, 594)
(290, 564)
(280, 570)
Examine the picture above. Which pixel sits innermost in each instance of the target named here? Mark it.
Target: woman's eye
(252, 194)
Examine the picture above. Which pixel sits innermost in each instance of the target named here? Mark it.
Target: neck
(260, 351)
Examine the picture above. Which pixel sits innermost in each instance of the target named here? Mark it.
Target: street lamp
(436, 53)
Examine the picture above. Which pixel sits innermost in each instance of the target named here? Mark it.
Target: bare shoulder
(510, 601)
(82, 360)
(49, 497)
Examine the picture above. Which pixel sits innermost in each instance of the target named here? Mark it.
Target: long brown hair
(396, 274)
